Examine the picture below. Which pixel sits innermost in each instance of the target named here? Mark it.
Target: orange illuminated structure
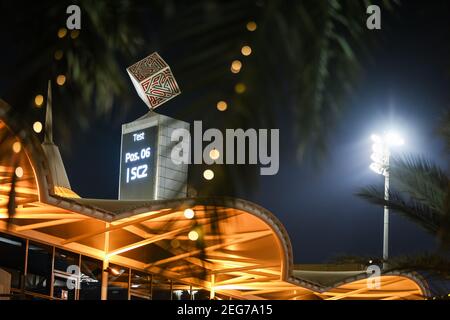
(242, 250)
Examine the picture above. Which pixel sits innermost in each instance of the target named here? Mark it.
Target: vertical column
(105, 273)
(386, 211)
(52, 277)
(212, 292)
(24, 277)
(129, 283)
(157, 192)
(78, 287)
(386, 222)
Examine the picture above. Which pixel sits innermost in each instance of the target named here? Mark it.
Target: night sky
(405, 86)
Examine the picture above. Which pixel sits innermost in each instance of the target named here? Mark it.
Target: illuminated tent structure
(242, 252)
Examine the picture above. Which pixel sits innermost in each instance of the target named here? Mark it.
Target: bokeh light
(214, 154)
(16, 147)
(175, 243)
(236, 66)
(246, 50)
(189, 213)
(251, 26)
(39, 100)
(37, 127)
(222, 106)
(58, 54)
(61, 79)
(19, 172)
(208, 174)
(193, 235)
(62, 32)
(240, 88)
(74, 34)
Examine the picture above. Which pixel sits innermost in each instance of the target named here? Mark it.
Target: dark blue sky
(405, 86)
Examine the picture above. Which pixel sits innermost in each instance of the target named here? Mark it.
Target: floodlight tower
(380, 157)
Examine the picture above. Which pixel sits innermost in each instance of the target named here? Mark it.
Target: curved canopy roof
(242, 251)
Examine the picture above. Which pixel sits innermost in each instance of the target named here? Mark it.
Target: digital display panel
(138, 164)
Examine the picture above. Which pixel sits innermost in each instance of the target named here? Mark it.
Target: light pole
(380, 157)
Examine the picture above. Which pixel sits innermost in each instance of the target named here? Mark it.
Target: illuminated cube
(153, 80)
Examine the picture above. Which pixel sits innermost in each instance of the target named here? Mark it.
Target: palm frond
(419, 191)
(444, 129)
(425, 261)
(415, 211)
(422, 180)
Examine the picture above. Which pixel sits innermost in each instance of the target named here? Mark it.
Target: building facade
(56, 245)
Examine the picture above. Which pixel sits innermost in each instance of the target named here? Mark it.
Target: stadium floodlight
(380, 165)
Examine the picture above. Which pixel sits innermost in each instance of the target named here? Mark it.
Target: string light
(19, 172)
(251, 26)
(62, 33)
(246, 50)
(240, 88)
(175, 243)
(74, 34)
(214, 154)
(58, 54)
(37, 127)
(16, 147)
(222, 106)
(39, 100)
(208, 174)
(189, 213)
(236, 66)
(193, 235)
(61, 79)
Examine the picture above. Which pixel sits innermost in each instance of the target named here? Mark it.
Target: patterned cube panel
(153, 80)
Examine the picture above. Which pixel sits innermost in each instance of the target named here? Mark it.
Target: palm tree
(420, 193)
